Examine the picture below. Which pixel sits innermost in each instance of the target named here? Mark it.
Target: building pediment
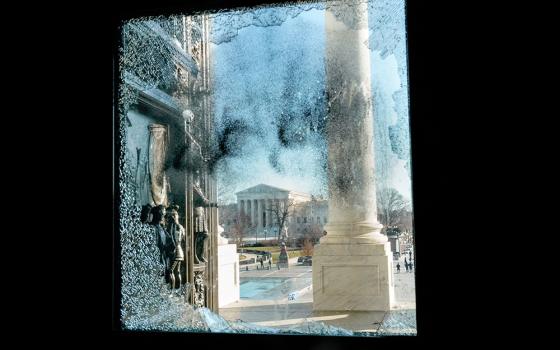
(262, 188)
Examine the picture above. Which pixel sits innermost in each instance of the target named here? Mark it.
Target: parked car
(308, 261)
(302, 259)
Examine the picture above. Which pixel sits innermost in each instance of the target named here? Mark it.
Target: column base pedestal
(228, 274)
(352, 276)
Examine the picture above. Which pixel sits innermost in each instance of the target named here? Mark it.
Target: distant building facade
(256, 208)
(308, 219)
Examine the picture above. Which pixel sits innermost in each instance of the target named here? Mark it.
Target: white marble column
(263, 212)
(250, 211)
(276, 204)
(259, 213)
(352, 265)
(269, 213)
(257, 219)
(264, 208)
(255, 212)
(282, 208)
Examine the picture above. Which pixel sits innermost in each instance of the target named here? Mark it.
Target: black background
(444, 119)
(479, 133)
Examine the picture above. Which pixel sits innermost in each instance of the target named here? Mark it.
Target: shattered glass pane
(248, 100)
(399, 323)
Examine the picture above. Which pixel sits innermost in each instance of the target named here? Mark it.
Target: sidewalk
(401, 262)
(396, 321)
(285, 313)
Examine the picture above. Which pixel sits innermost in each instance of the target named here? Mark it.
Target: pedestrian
(270, 263)
(262, 263)
(410, 266)
(398, 268)
(406, 265)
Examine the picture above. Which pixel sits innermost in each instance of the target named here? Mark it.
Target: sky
(268, 78)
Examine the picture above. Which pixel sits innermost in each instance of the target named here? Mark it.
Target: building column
(259, 214)
(352, 265)
(257, 210)
(252, 214)
(254, 219)
(276, 204)
(282, 208)
(268, 212)
(250, 211)
(256, 214)
(265, 210)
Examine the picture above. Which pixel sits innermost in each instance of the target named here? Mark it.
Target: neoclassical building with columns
(255, 202)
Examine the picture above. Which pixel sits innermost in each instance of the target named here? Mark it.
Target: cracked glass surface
(261, 66)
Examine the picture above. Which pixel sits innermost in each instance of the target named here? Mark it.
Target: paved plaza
(284, 298)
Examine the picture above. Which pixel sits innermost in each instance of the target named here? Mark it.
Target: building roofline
(276, 188)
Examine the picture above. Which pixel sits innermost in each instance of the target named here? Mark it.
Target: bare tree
(240, 228)
(311, 232)
(391, 207)
(407, 237)
(316, 232)
(307, 247)
(281, 210)
(311, 235)
(406, 221)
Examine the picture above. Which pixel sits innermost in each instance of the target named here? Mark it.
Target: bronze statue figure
(165, 242)
(146, 214)
(200, 234)
(177, 233)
